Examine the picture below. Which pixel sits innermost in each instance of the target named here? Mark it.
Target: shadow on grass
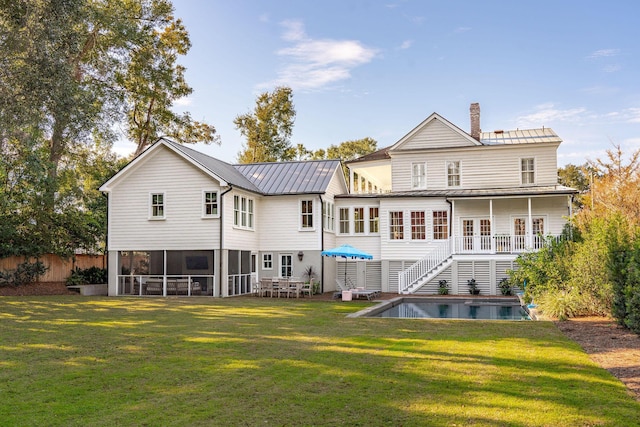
(106, 361)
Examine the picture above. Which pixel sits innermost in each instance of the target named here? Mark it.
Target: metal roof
(290, 177)
(519, 136)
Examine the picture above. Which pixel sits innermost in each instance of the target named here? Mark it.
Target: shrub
(91, 275)
(27, 272)
(559, 304)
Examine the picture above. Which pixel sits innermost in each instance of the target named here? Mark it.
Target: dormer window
(453, 174)
(527, 170)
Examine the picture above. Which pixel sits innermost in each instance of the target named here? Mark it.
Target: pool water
(459, 309)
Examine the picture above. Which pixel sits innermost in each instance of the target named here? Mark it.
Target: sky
(361, 68)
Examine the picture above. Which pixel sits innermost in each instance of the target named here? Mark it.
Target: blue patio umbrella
(346, 251)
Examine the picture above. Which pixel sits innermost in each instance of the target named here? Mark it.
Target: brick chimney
(474, 112)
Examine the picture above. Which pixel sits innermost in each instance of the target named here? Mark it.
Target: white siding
(241, 238)
(480, 167)
(435, 134)
(182, 184)
(279, 223)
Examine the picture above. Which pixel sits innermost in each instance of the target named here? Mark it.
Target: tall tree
(268, 129)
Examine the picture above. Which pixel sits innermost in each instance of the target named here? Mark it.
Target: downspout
(221, 232)
(321, 245)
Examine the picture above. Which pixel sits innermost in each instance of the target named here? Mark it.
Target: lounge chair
(355, 292)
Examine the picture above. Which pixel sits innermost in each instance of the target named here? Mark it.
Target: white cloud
(547, 114)
(631, 115)
(315, 63)
(185, 101)
(406, 44)
(604, 53)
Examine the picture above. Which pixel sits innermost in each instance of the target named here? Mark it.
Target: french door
(476, 234)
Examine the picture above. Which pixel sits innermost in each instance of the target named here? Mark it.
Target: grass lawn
(79, 361)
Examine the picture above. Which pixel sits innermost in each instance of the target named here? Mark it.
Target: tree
(268, 129)
(346, 151)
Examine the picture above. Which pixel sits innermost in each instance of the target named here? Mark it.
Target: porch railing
(423, 266)
(239, 284)
(164, 285)
(501, 243)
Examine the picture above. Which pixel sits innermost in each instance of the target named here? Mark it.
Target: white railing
(423, 266)
(501, 243)
(164, 285)
(239, 284)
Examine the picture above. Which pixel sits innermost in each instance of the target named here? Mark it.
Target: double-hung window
(306, 214)
(210, 204)
(396, 225)
(453, 174)
(358, 220)
(156, 208)
(418, 225)
(243, 212)
(418, 175)
(344, 220)
(267, 261)
(440, 225)
(374, 220)
(527, 170)
(328, 214)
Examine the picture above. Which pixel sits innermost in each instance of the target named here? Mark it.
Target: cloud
(547, 114)
(312, 64)
(406, 44)
(604, 53)
(631, 115)
(460, 30)
(185, 101)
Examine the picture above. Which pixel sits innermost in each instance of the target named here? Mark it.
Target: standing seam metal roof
(268, 178)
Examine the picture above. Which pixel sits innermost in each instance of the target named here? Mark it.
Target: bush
(27, 272)
(560, 304)
(91, 276)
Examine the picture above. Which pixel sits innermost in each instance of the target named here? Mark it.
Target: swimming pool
(450, 308)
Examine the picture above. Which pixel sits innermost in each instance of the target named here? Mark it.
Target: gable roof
(464, 136)
(262, 178)
(290, 177)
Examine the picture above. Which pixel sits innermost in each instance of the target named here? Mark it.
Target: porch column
(351, 181)
(164, 273)
(453, 229)
(493, 241)
(529, 226)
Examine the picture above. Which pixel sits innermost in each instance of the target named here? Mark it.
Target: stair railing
(424, 266)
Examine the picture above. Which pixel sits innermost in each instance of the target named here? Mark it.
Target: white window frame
(311, 225)
(418, 176)
(282, 264)
(359, 223)
(243, 212)
(434, 225)
(328, 215)
(529, 172)
(265, 261)
(421, 227)
(163, 205)
(392, 225)
(458, 168)
(373, 220)
(216, 203)
(343, 221)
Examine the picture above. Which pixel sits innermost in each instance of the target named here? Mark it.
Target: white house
(440, 204)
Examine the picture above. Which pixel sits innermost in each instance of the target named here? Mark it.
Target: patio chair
(307, 288)
(284, 287)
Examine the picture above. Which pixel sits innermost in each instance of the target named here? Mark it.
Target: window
(418, 175)
(267, 261)
(396, 226)
(358, 220)
(328, 216)
(157, 205)
(242, 212)
(453, 174)
(538, 226)
(527, 168)
(440, 225)
(344, 220)
(374, 220)
(286, 268)
(306, 214)
(418, 226)
(210, 203)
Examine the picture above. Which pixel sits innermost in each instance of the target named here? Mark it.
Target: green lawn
(265, 362)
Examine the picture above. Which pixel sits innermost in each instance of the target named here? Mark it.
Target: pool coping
(383, 305)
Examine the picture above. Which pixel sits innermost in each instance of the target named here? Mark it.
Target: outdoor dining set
(283, 287)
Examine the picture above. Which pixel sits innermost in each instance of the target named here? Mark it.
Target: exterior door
(476, 234)
(286, 265)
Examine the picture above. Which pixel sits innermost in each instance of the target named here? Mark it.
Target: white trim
(250, 214)
(521, 172)
(446, 173)
(425, 122)
(204, 204)
(423, 176)
(152, 217)
(263, 260)
(313, 215)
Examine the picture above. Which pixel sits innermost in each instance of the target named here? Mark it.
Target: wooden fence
(58, 268)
